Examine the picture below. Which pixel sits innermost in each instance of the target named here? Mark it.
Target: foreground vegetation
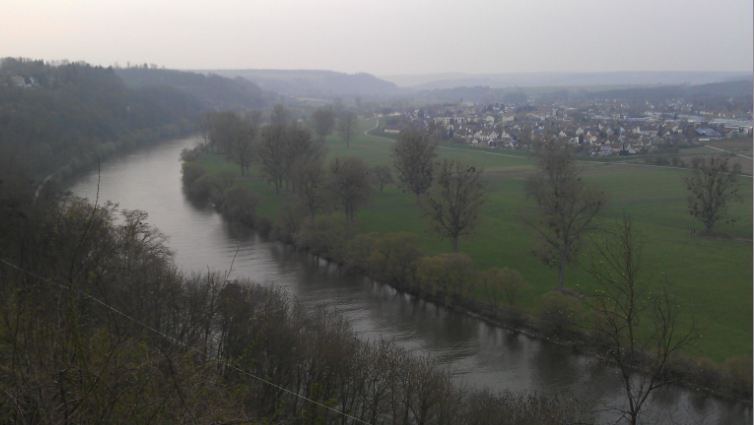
(96, 325)
(710, 275)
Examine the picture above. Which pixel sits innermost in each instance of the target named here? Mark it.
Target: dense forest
(213, 91)
(60, 118)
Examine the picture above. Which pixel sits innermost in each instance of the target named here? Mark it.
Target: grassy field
(712, 277)
(741, 147)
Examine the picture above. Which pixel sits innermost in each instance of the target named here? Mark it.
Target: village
(596, 128)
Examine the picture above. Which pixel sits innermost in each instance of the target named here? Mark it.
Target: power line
(174, 341)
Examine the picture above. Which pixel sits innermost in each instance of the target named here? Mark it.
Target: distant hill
(563, 79)
(713, 93)
(212, 91)
(313, 83)
(727, 89)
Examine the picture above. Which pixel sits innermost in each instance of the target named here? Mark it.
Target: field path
(715, 148)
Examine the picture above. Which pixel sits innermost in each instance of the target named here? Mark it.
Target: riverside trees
(413, 159)
(566, 206)
(280, 148)
(625, 306)
(350, 184)
(712, 186)
(347, 122)
(323, 122)
(233, 136)
(454, 202)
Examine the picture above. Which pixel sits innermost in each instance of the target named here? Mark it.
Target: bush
(699, 370)
(325, 236)
(239, 203)
(191, 171)
(739, 371)
(358, 251)
(191, 155)
(210, 187)
(559, 313)
(501, 285)
(447, 275)
(287, 224)
(393, 259)
(263, 226)
(201, 188)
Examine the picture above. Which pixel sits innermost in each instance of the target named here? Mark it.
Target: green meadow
(711, 277)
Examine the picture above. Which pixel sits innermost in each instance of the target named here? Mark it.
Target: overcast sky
(387, 36)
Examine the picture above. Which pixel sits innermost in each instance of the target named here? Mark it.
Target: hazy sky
(387, 36)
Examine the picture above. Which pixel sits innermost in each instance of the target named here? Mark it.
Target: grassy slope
(713, 278)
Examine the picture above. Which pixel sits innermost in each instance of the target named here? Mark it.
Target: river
(477, 354)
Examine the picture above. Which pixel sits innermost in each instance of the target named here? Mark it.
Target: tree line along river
(476, 353)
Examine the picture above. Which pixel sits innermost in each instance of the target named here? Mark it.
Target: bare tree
(712, 185)
(640, 330)
(323, 121)
(382, 175)
(280, 116)
(242, 145)
(309, 180)
(279, 150)
(413, 156)
(566, 206)
(233, 136)
(271, 154)
(349, 182)
(347, 122)
(298, 146)
(454, 202)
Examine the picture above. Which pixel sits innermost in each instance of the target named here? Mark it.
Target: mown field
(738, 149)
(712, 277)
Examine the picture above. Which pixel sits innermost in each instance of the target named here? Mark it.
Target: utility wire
(174, 341)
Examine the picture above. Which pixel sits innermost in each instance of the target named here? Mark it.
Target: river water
(477, 354)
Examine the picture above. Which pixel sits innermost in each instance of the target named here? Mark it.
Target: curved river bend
(476, 353)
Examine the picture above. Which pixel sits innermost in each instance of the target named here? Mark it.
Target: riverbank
(67, 173)
(475, 354)
(396, 259)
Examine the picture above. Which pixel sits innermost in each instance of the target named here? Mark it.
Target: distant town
(600, 128)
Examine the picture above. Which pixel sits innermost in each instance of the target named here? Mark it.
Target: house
(24, 82)
(708, 133)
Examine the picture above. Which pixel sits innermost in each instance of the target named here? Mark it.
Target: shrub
(325, 236)
(393, 259)
(739, 371)
(501, 285)
(263, 226)
(287, 224)
(358, 252)
(239, 203)
(201, 188)
(211, 187)
(191, 155)
(191, 171)
(559, 313)
(447, 275)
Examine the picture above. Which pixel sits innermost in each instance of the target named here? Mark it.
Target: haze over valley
(376, 212)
